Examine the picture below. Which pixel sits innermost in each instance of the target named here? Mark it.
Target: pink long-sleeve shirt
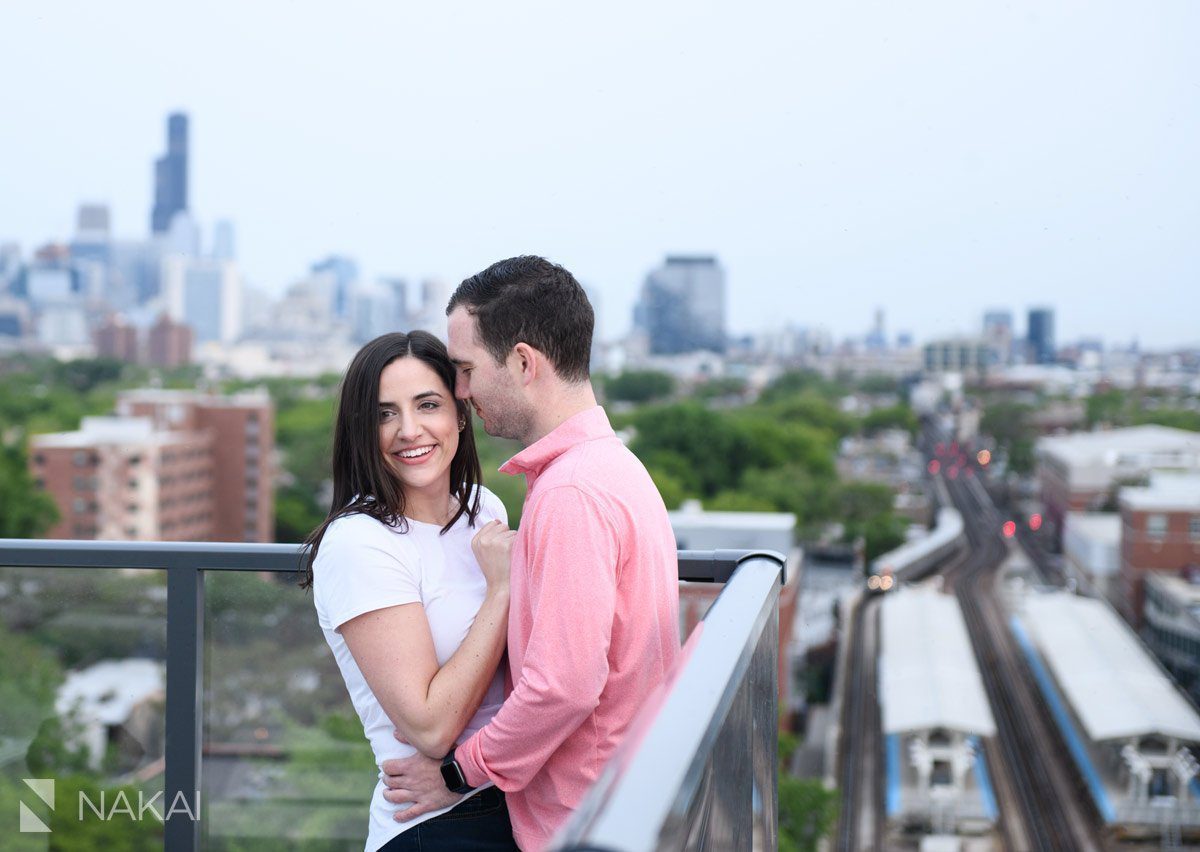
(593, 624)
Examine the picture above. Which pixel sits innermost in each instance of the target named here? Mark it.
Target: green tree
(799, 381)
(26, 511)
(894, 417)
(639, 386)
(1010, 424)
(807, 811)
(1106, 407)
(726, 386)
(811, 409)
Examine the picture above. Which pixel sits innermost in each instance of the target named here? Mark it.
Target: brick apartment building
(165, 344)
(1160, 532)
(170, 466)
(697, 529)
(1079, 472)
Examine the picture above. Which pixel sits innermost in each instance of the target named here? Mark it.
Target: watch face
(453, 776)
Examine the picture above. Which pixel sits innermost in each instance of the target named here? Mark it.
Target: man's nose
(462, 389)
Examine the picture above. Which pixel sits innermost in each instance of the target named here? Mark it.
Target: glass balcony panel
(285, 762)
(82, 697)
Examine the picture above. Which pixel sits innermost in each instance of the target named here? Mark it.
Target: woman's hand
(492, 546)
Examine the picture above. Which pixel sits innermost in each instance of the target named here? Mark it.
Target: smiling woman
(409, 573)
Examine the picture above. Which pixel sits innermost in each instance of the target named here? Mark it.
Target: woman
(410, 579)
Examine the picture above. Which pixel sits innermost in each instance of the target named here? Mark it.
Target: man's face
(492, 388)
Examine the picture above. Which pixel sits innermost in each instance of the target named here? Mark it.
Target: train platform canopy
(927, 673)
(1117, 690)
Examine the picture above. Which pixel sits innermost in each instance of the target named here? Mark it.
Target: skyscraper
(682, 308)
(998, 334)
(1041, 336)
(344, 271)
(171, 175)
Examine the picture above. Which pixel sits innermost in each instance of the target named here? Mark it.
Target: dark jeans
(477, 824)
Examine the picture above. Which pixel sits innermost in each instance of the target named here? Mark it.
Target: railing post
(184, 715)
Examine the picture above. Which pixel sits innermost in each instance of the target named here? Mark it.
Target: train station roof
(1115, 687)
(927, 673)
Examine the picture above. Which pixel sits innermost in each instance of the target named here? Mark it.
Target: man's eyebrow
(459, 362)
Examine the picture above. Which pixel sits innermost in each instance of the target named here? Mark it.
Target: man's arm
(571, 568)
(571, 556)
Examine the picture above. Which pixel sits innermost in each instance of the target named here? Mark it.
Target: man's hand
(416, 779)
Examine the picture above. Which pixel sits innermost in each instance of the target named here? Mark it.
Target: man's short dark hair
(528, 299)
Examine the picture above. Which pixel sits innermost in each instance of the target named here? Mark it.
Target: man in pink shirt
(594, 616)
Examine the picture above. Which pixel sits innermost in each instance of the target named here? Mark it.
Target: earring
(462, 424)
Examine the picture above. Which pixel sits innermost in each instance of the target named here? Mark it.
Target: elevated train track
(1044, 804)
(1053, 809)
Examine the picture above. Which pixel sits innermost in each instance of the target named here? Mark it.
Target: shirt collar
(587, 425)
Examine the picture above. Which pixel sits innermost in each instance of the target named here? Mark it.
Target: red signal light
(1010, 529)
(1035, 522)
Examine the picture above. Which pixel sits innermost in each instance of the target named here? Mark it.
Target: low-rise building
(171, 466)
(1092, 548)
(697, 529)
(1080, 472)
(1160, 532)
(1172, 625)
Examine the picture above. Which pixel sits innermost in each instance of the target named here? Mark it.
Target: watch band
(452, 774)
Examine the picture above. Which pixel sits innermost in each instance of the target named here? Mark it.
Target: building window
(1156, 526)
(79, 505)
(83, 458)
(1194, 528)
(39, 459)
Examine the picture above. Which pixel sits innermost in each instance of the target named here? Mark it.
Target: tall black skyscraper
(171, 175)
(1041, 336)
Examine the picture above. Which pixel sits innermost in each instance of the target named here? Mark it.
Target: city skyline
(851, 165)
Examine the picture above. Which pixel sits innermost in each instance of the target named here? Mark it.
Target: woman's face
(418, 425)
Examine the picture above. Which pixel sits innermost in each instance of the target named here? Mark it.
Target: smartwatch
(452, 774)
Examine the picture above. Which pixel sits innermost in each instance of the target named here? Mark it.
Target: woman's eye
(386, 414)
(428, 406)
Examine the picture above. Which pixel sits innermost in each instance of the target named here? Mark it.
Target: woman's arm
(394, 649)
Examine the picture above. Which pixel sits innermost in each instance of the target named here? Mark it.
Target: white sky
(934, 159)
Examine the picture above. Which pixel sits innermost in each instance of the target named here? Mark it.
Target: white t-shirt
(364, 565)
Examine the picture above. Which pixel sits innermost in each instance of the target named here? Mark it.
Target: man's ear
(528, 362)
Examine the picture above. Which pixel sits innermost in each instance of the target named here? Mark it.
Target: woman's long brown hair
(362, 481)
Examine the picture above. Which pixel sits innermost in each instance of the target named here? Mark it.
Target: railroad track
(1055, 812)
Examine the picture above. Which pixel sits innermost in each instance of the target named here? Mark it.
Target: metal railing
(701, 775)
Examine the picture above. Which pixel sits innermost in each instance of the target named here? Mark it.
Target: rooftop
(95, 431)
(163, 396)
(1123, 446)
(1167, 491)
(927, 672)
(692, 513)
(1113, 684)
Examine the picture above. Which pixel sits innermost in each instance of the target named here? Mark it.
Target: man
(594, 617)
